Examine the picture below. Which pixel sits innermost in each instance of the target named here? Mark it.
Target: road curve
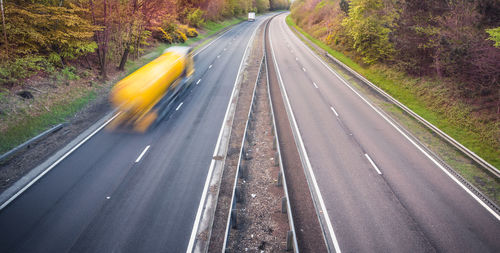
(126, 192)
(380, 191)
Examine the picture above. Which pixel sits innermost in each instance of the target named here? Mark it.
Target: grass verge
(77, 98)
(31, 126)
(428, 100)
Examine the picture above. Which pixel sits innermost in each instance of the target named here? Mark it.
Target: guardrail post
(280, 179)
(242, 171)
(237, 193)
(289, 241)
(248, 137)
(234, 219)
(276, 159)
(274, 143)
(283, 205)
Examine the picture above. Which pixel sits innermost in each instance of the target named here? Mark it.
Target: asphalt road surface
(107, 197)
(381, 193)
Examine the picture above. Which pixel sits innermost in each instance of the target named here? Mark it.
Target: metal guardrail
(232, 213)
(40, 136)
(291, 235)
(278, 150)
(480, 161)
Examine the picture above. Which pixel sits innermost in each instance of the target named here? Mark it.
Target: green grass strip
(32, 126)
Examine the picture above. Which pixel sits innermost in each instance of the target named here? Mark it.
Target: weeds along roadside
(454, 119)
(63, 99)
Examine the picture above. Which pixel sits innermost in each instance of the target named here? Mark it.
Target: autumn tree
(369, 24)
(279, 4)
(57, 31)
(6, 42)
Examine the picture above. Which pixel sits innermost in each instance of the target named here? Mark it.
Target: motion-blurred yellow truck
(144, 96)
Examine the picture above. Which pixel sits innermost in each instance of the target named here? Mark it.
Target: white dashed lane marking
(333, 109)
(142, 154)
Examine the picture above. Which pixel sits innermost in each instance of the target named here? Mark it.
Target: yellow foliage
(165, 36)
(188, 31)
(181, 36)
(191, 33)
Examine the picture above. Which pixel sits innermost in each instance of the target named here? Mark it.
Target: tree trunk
(4, 29)
(105, 43)
(89, 66)
(124, 57)
(126, 51)
(96, 35)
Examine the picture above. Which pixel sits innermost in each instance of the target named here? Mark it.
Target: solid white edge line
(333, 109)
(55, 163)
(373, 164)
(199, 80)
(212, 163)
(179, 106)
(306, 157)
(407, 137)
(315, 85)
(142, 154)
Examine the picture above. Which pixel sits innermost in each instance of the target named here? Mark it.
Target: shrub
(195, 18)
(69, 73)
(191, 33)
(181, 37)
(164, 36)
(20, 68)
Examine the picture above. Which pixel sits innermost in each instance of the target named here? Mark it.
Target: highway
(130, 192)
(379, 190)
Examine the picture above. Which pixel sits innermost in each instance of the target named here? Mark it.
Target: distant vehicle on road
(145, 94)
(251, 16)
